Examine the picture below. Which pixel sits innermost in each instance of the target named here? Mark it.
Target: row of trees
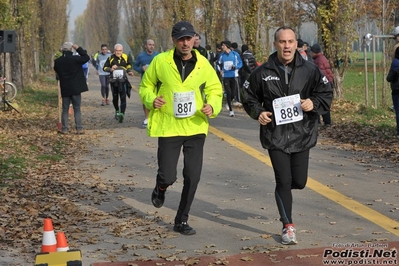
(41, 26)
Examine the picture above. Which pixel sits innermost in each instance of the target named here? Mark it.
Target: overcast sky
(78, 6)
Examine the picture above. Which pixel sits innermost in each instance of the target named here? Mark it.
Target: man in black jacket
(286, 95)
(72, 82)
(248, 63)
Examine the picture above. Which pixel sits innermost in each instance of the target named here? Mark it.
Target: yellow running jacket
(181, 114)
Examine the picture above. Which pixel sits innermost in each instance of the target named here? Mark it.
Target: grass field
(355, 84)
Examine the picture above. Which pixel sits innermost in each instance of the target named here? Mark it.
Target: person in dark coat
(322, 62)
(248, 63)
(72, 83)
(286, 95)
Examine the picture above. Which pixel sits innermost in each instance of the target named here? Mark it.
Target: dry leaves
(349, 133)
(53, 185)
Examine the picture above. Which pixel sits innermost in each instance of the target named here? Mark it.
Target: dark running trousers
(104, 80)
(169, 149)
(291, 172)
(230, 87)
(119, 91)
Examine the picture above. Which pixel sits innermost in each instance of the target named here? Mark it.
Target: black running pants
(291, 172)
(169, 149)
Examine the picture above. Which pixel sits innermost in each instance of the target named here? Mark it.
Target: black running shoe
(184, 229)
(158, 197)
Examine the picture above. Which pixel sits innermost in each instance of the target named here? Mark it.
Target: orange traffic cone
(49, 243)
(62, 244)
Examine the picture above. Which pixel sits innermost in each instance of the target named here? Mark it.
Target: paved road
(351, 197)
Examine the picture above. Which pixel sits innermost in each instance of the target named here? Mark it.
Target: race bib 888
(287, 109)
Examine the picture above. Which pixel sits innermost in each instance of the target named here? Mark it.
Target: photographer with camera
(72, 82)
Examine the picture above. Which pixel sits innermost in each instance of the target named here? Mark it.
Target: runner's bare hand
(265, 118)
(158, 102)
(307, 105)
(207, 110)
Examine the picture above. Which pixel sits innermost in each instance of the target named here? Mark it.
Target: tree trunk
(338, 86)
(15, 69)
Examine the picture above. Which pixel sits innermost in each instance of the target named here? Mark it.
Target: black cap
(227, 43)
(300, 43)
(183, 29)
(315, 48)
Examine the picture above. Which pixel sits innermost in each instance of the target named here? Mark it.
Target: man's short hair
(283, 28)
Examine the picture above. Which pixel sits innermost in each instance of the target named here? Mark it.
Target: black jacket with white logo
(266, 84)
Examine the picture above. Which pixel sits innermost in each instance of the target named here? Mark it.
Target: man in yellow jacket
(181, 90)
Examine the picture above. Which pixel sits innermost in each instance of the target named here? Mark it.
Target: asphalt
(234, 211)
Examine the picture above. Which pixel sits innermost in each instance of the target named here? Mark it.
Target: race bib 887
(184, 104)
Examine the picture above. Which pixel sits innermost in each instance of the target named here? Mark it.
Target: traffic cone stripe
(49, 243)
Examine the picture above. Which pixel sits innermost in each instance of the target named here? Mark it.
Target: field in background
(355, 84)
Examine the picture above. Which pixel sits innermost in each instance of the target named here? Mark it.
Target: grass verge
(28, 139)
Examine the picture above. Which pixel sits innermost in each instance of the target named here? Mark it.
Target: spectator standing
(234, 47)
(248, 63)
(102, 57)
(322, 62)
(210, 55)
(119, 64)
(180, 103)
(306, 48)
(395, 33)
(286, 95)
(229, 63)
(197, 45)
(301, 50)
(72, 83)
(393, 79)
(217, 56)
(141, 64)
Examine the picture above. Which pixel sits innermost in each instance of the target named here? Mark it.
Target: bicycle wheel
(10, 91)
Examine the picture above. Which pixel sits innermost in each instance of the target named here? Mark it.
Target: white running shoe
(288, 237)
(145, 122)
(231, 114)
(227, 107)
